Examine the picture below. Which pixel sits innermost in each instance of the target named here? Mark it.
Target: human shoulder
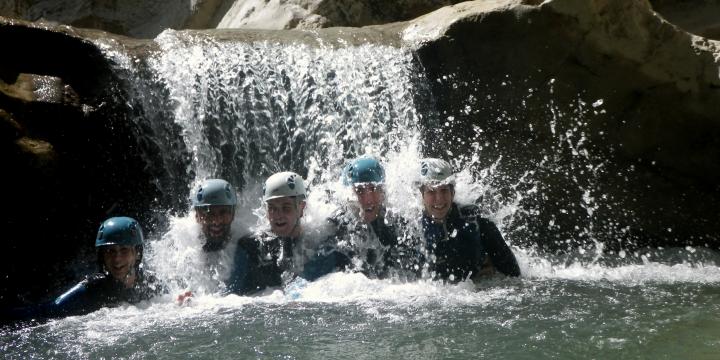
(394, 218)
(150, 283)
(252, 240)
(468, 210)
(340, 217)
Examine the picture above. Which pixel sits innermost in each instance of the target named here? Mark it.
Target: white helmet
(283, 184)
(436, 172)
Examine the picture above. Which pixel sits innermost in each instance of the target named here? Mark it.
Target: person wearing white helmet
(372, 238)
(214, 202)
(460, 243)
(274, 258)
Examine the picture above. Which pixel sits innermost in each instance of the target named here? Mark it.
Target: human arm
(501, 257)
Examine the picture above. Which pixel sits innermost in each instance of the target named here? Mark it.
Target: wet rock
(147, 19)
(73, 158)
(10, 130)
(697, 17)
(611, 110)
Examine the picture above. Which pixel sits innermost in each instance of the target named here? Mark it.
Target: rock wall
(146, 19)
(697, 17)
(639, 169)
(72, 156)
(303, 14)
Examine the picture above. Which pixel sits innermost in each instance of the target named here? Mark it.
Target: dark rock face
(698, 17)
(642, 168)
(71, 155)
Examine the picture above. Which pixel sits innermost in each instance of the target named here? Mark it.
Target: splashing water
(248, 110)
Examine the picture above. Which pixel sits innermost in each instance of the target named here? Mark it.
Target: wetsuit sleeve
(151, 286)
(239, 282)
(499, 252)
(78, 300)
(324, 263)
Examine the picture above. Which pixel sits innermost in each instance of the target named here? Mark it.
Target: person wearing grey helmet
(459, 242)
(275, 257)
(214, 202)
(121, 277)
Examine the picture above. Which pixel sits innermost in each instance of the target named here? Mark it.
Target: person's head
(214, 202)
(119, 245)
(284, 197)
(367, 178)
(437, 186)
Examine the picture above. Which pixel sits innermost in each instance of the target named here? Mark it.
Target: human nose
(115, 256)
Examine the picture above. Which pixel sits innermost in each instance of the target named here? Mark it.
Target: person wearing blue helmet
(459, 242)
(119, 245)
(214, 203)
(368, 234)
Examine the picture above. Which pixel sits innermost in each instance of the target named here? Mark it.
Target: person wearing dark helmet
(121, 278)
(375, 241)
(459, 242)
(214, 202)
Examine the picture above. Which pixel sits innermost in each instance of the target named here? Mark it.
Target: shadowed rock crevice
(73, 157)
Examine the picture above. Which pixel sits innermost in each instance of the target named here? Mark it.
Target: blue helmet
(119, 231)
(214, 192)
(365, 169)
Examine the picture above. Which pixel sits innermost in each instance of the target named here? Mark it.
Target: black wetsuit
(465, 244)
(265, 261)
(383, 246)
(95, 292)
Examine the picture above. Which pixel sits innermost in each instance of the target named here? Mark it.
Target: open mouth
(120, 269)
(280, 223)
(215, 230)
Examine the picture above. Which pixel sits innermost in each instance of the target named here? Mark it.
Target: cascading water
(247, 110)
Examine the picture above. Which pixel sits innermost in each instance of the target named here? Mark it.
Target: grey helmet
(214, 192)
(435, 172)
(283, 184)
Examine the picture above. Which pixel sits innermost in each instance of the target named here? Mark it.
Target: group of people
(456, 243)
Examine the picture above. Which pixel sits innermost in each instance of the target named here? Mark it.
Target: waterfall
(247, 110)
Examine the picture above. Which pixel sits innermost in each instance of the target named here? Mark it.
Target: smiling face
(215, 221)
(284, 215)
(119, 261)
(437, 201)
(371, 198)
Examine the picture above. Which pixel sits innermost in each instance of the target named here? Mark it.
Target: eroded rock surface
(548, 83)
